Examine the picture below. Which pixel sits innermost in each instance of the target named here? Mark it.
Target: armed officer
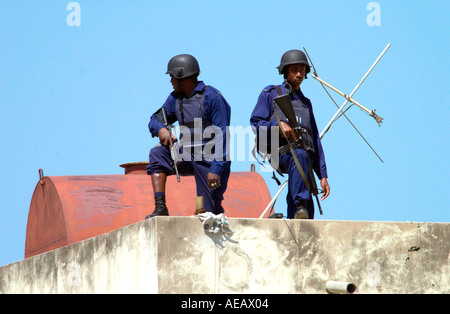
(203, 115)
(294, 67)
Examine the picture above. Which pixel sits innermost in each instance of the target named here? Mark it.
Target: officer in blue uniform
(203, 115)
(295, 67)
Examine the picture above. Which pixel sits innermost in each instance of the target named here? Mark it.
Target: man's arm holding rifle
(166, 138)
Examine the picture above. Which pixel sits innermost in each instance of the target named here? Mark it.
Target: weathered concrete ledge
(176, 255)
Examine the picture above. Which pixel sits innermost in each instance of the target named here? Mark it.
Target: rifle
(285, 104)
(172, 151)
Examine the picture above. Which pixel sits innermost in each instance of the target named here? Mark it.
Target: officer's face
(295, 75)
(175, 84)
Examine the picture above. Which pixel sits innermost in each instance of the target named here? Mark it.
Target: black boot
(160, 207)
(302, 212)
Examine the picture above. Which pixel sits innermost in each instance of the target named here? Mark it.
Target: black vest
(303, 115)
(193, 120)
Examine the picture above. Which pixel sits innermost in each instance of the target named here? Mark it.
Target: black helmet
(293, 57)
(183, 66)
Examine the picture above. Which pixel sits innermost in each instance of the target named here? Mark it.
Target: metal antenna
(349, 99)
(335, 117)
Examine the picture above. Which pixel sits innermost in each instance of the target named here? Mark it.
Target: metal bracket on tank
(41, 176)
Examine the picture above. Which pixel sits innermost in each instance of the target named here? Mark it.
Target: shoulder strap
(278, 90)
(276, 87)
(199, 94)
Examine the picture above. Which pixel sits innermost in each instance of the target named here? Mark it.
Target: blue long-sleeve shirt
(262, 117)
(216, 107)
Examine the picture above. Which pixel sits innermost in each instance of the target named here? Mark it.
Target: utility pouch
(305, 139)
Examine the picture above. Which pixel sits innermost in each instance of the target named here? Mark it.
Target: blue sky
(76, 100)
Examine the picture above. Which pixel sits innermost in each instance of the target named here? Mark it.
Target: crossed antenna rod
(338, 114)
(348, 98)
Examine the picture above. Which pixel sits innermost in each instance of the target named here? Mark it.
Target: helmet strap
(288, 86)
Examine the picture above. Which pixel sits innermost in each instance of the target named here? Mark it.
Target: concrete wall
(175, 255)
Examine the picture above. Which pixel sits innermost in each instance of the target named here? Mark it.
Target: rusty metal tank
(69, 209)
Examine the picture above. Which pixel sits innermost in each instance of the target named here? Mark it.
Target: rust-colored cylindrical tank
(69, 209)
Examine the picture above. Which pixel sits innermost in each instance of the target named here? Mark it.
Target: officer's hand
(213, 180)
(164, 136)
(288, 131)
(325, 188)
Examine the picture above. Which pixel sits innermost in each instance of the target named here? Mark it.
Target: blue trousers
(297, 190)
(160, 161)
